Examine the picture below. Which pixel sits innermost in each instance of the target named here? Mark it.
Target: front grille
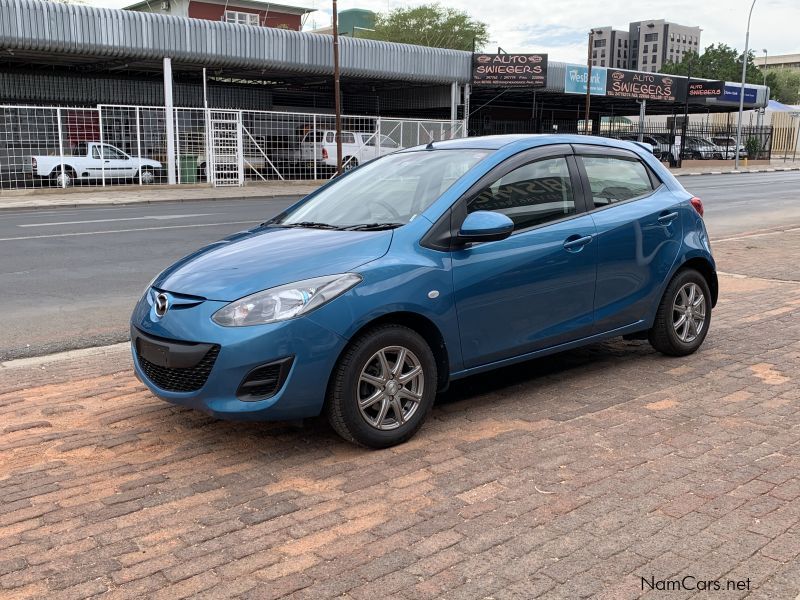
(188, 379)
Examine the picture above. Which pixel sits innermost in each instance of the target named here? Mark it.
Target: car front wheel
(383, 387)
(683, 316)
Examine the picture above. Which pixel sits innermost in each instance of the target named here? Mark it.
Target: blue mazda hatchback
(431, 264)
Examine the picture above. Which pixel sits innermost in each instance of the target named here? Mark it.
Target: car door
(534, 289)
(369, 147)
(638, 235)
(117, 164)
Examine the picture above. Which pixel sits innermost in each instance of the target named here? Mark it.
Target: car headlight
(285, 301)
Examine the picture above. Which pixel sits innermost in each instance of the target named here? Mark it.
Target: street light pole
(588, 82)
(741, 91)
(337, 99)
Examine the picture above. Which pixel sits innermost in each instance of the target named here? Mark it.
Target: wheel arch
(706, 269)
(423, 326)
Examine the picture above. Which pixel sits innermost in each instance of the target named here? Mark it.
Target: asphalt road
(70, 277)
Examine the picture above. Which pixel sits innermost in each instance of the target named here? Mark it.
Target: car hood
(261, 258)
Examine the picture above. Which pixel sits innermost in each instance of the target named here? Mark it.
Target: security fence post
(177, 144)
(314, 138)
(378, 135)
(102, 154)
(61, 148)
(138, 143)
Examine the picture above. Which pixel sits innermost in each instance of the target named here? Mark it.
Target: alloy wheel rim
(147, 177)
(689, 312)
(390, 388)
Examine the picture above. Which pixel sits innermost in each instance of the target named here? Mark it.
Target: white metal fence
(113, 144)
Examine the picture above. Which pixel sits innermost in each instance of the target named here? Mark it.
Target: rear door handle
(574, 243)
(667, 218)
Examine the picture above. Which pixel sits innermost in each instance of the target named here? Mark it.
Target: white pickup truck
(93, 160)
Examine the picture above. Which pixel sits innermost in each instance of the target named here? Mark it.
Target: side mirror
(485, 226)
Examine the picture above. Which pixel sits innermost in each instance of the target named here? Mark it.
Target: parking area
(578, 475)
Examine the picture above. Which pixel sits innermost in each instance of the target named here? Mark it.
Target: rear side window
(614, 179)
(530, 195)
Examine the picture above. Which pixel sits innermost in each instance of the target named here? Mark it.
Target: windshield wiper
(309, 225)
(372, 226)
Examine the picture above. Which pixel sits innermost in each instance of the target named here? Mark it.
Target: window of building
(530, 195)
(602, 54)
(594, 53)
(653, 69)
(655, 48)
(626, 43)
(602, 63)
(241, 18)
(613, 179)
(671, 37)
(600, 43)
(650, 37)
(684, 38)
(644, 60)
(619, 43)
(644, 49)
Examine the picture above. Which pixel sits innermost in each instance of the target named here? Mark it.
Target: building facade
(645, 46)
(610, 48)
(779, 61)
(238, 12)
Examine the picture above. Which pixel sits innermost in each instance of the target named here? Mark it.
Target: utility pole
(337, 100)
(741, 91)
(685, 113)
(588, 82)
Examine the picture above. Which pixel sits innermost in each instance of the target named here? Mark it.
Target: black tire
(663, 336)
(146, 175)
(69, 175)
(342, 402)
(349, 162)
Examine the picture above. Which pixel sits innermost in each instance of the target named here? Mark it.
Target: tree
(430, 25)
(719, 62)
(784, 85)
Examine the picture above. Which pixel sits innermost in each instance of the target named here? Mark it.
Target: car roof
(524, 141)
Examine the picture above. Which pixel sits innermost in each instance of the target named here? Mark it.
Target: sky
(560, 28)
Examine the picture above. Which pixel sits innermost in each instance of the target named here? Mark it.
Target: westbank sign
(576, 76)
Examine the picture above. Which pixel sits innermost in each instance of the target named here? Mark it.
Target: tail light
(324, 154)
(697, 204)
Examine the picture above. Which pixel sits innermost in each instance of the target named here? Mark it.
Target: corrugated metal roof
(50, 27)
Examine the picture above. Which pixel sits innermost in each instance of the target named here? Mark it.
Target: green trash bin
(187, 168)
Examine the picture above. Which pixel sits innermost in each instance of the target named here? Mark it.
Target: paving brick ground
(572, 476)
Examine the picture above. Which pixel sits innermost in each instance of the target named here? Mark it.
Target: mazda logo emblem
(161, 304)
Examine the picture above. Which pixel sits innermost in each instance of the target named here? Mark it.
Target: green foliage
(430, 25)
(753, 147)
(784, 85)
(720, 62)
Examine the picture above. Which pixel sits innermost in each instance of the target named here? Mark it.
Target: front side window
(111, 153)
(530, 195)
(614, 179)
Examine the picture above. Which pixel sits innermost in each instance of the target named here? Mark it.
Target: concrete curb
(740, 172)
(39, 205)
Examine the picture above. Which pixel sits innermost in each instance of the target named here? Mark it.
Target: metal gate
(226, 167)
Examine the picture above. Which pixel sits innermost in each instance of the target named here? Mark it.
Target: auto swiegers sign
(645, 86)
(509, 70)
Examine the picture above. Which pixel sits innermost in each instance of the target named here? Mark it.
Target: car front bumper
(171, 356)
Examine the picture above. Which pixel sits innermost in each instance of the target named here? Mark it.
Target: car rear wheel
(348, 163)
(683, 316)
(383, 387)
(65, 179)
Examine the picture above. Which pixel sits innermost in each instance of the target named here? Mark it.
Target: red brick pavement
(572, 476)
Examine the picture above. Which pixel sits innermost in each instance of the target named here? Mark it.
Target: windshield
(387, 192)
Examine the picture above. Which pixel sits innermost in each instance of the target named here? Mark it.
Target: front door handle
(667, 218)
(575, 243)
